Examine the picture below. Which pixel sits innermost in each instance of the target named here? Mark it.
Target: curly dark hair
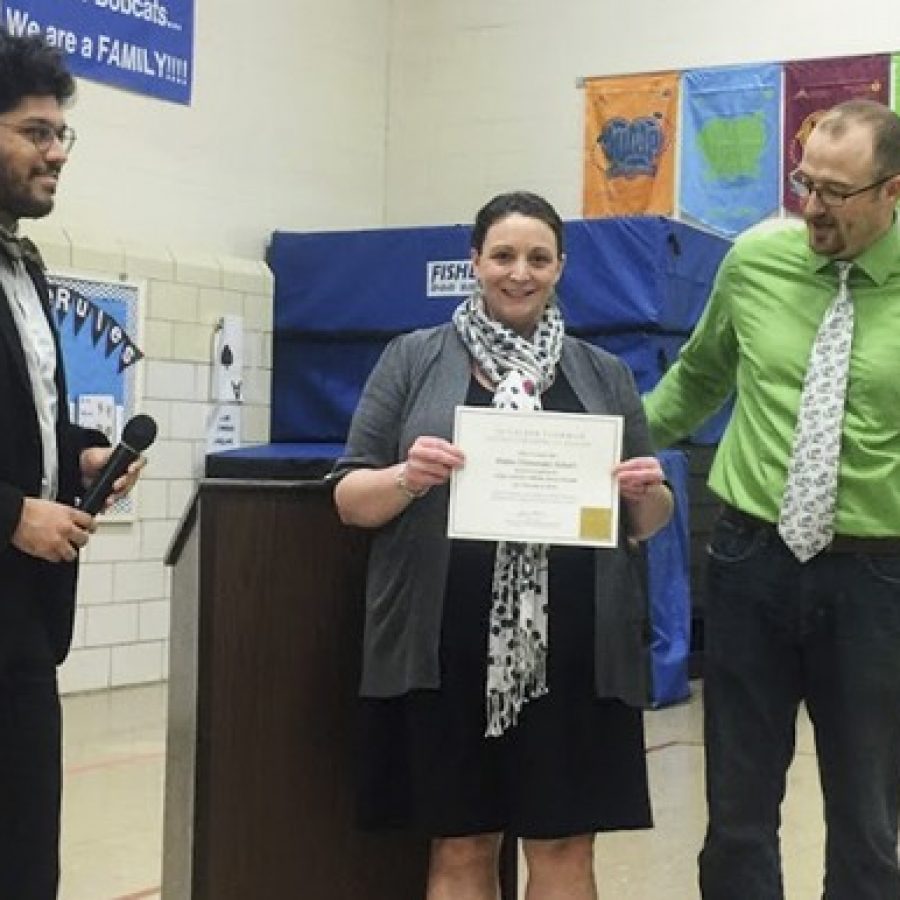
(523, 203)
(29, 67)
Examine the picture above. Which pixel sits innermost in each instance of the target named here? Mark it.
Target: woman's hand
(637, 476)
(430, 461)
(649, 501)
(372, 497)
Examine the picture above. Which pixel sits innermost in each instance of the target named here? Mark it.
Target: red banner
(812, 87)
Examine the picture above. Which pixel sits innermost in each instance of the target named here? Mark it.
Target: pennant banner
(730, 146)
(813, 87)
(66, 302)
(98, 322)
(629, 152)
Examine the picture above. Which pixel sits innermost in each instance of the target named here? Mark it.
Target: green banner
(895, 68)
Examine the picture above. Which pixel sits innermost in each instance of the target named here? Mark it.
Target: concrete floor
(114, 771)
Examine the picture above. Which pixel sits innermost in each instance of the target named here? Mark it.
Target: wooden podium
(266, 625)
(265, 643)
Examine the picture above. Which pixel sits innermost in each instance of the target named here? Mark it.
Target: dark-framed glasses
(43, 134)
(802, 186)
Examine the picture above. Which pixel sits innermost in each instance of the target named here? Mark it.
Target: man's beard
(18, 201)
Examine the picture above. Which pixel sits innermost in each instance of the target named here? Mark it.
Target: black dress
(574, 763)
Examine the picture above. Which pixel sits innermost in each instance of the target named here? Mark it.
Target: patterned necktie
(806, 522)
(16, 248)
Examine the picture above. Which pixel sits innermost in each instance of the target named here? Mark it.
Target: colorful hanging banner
(895, 62)
(730, 145)
(812, 87)
(629, 145)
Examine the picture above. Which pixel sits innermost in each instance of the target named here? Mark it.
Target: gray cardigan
(413, 390)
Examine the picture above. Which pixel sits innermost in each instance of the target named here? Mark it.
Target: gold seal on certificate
(536, 477)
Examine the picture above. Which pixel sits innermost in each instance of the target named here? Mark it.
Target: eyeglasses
(43, 134)
(802, 186)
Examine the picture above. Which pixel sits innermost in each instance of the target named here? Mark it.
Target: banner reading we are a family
(812, 87)
(629, 152)
(145, 46)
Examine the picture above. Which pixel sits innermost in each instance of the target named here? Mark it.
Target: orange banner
(629, 145)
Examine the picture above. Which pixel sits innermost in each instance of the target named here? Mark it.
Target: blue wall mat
(669, 591)
(316, 384)
(620, 275)
(635, 286)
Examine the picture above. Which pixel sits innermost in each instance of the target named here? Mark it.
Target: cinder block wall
(122, 623)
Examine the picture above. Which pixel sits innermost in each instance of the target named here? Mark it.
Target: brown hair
(883, 122)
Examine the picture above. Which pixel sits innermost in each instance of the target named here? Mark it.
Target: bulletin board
(100, 328)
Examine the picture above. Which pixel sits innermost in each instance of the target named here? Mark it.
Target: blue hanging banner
(730, 146)
(98, 323)
(145, 46)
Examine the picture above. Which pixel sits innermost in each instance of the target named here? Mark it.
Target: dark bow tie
(19, 248)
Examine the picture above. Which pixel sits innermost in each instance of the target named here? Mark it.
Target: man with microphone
(46, 463)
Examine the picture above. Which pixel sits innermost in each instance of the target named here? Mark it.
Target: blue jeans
(778, 633)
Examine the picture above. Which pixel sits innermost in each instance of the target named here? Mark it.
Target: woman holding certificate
(502, 680)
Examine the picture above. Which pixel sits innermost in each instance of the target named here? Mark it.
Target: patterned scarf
(18, 248)
(520, 371)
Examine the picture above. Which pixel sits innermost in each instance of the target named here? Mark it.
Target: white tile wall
(93, 252)
(122, 622)
(95, 583)
(87, 669)
(169, 380)
(157, 339)
(173, 302)
(114, 623)
(137, 663)
(192, 342)
(154, 621)
(255, 424)
(142, 261)
(138, 580)
(186, 424)
(152, 498)
(171, 459)
(215, 303)
(113, 542)
(157, 535)
(200, 269)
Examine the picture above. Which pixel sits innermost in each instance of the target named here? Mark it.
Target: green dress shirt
(755, 337)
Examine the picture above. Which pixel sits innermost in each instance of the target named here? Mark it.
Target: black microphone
(138, 434)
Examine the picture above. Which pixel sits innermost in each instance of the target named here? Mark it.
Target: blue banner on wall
(145, 46)
(730, 145)
(98, 324)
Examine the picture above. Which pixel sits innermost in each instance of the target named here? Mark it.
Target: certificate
(537, 477)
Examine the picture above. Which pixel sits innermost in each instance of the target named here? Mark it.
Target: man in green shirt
(783, 626)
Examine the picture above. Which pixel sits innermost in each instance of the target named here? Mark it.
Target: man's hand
(52, 531)
(92, 462)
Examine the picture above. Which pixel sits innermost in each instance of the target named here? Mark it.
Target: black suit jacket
(37, 598)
